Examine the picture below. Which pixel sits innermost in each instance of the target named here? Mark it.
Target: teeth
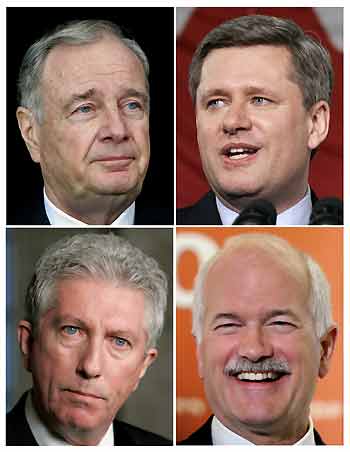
(238, 153)
(237, 156)
(259, 376)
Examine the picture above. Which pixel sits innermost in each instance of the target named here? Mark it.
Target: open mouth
(238, 153)
(267, 376)
(259, 376)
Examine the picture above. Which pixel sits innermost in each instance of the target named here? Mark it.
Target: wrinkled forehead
(105, 57)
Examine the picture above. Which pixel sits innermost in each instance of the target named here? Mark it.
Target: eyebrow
(222, 316)
(250, 89)
(58, 320)
(281, 312)
(225, 316)
(77, 97)
(92, 92)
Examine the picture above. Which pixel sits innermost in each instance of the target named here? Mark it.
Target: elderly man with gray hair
(262, 320)
(84, 116)
(94, 312)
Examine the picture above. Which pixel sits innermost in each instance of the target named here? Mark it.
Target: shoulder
(18, 432)
(202, 212)
(126, 434)
(201, 436)
(149, 215)
(30, 213)
(318, 440)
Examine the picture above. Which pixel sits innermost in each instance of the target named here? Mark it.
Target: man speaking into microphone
(262, 321)
(261, 89)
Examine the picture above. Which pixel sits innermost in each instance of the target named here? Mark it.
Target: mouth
(269, 376)
(84, 394)
(264, 377)
(239, 152)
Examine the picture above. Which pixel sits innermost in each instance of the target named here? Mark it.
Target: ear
(319, 124)
(25, 341)
(327, 348)
(29, 128)
(150, 357)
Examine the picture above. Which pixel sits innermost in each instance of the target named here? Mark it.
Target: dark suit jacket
(202, 436)
(18, 432)
(206, 212)
(35, 214)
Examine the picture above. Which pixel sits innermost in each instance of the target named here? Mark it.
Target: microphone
(259, 211)
(327, 211)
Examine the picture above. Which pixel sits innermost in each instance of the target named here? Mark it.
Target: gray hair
(313, 71)
(301, 265)
(103, 257)
(72, 33)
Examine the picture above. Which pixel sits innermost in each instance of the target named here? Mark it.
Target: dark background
(152, 28)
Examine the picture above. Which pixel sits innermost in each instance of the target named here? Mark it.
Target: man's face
(88, 356)
(94, 139)
(257, 315)
(253, 131)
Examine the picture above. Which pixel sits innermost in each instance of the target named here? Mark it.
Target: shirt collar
(44, 437)
(299, 214)
(223, 436)
(59, 218)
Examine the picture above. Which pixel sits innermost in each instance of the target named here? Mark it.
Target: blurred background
(151, 406)
(192, 24)
(195, 246)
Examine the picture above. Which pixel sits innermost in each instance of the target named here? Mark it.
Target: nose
(90, 360)
(236, 119)
(113, 127)
(254, 345)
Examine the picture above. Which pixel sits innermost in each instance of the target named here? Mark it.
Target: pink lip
(229, 146)
(84, 394)
(113, 158)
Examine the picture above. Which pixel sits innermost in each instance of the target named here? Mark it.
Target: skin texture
(257, 310)
(93, 144)
(85, 361)
(243, 102)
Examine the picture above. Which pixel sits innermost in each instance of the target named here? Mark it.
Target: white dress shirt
(59, 218)
(44, 437)
(299, 214)
(221, 435)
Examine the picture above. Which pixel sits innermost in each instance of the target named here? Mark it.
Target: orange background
(325, 245)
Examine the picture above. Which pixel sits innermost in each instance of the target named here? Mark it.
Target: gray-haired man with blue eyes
(94, 312)
(84, 116)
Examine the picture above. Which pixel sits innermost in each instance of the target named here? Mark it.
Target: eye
(121, 342)
(259, 100)
(282, 325)
(133, 105)
(84, 109)
(226, 326)
(215, 103)
(70, 330)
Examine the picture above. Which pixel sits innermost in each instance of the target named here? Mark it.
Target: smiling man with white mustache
(262, 320)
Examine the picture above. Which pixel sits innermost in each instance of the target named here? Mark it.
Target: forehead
(68, 66)
(253, 280)
(100, 304)
(260, 64)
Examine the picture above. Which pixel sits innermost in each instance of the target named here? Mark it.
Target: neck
(238, 203)
(96, 210)
(284, 433)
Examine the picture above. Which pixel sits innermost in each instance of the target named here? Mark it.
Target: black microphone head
(259, 211)
(327, 211)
